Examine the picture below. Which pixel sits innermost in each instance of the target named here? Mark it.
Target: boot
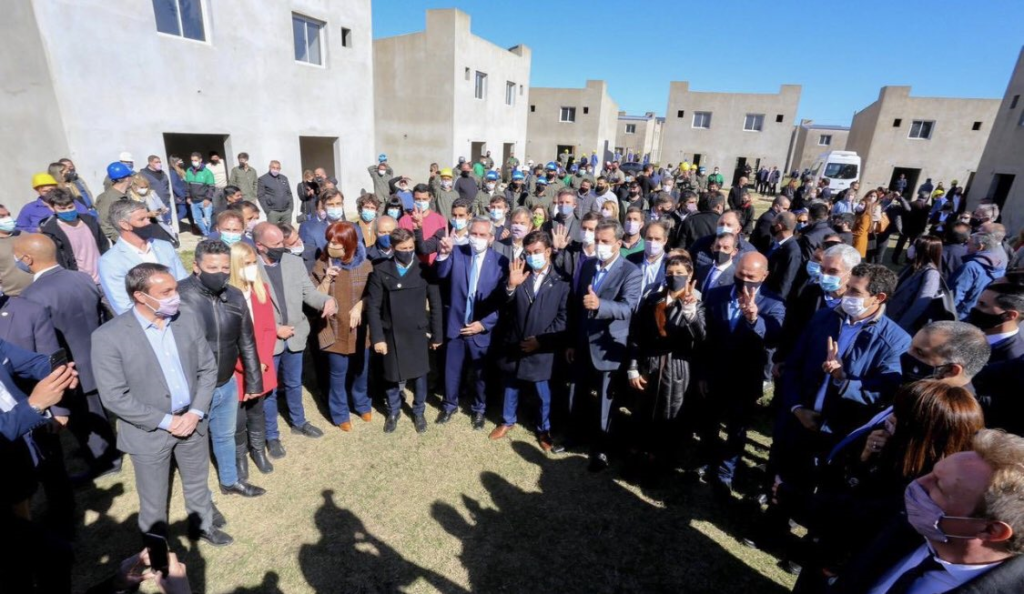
(242, 463)
(258, 448)
(262, 461)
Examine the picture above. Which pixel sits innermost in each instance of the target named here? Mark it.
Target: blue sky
(841, 53)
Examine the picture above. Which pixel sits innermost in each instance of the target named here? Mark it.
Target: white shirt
(932, 582)
(36, 277)
(147, 255)
(538, 278)
(650, 270)
(991, 338)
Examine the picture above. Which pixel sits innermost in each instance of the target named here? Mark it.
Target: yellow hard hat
(446, 172)
(43, 179)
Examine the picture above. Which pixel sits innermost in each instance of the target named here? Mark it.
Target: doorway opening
(912, 176)
(182, 146)
(318, 151)
(696, 159)
(970, 182)
(1000, 189)
(476, 152)
(740, 171)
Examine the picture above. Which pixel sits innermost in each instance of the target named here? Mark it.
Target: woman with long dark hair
(920, 282)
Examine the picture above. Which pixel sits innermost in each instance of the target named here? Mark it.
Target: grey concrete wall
(952, 152)
(592, 131)
(726, 140)
(808, 147)
(1004, 153)
(242, 82)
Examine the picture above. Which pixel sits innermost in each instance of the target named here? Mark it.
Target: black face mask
(676, 283)
(465, 174)
(71, 176)
(215, 282)
(721, 257)
(976, 222)
(404, 258)
(275, 254)
(742, 284)
(915, 370)
(984, 320)
(144, 233)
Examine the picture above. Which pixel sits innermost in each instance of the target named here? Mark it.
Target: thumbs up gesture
(591, 301)
(833, 365)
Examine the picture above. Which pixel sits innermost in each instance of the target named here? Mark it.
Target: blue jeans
(348, 376)
(223, 419)
(419, 396)
(288, 366)
(203, 216)
(512, 389)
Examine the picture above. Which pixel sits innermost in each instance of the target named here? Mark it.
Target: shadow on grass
(585, 533)
(348, 558)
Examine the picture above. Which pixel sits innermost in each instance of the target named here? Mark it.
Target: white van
(840, 168)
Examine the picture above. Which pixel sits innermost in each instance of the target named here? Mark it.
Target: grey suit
(125, 368)
(298, 290)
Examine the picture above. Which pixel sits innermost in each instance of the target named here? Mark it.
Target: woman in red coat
(251, 430)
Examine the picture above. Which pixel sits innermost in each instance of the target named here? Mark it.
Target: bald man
(76, 308)
(743, 323)
(290, 288)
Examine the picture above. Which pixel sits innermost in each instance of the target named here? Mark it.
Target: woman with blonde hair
(140, 191)
(251, 428)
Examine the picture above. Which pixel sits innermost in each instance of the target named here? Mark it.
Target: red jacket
(266, 337)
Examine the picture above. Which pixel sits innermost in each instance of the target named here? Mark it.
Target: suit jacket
(899, 540)
(998, 389)
(726, 279)
(1008, 349)
(783, 266)
(132, 387)
(27, 325)
(761, 237)
(118, 260)
(489, 291)
(736, 354)
(75, 305)
(638, 259)
(697, 225)
(603, 335)
(701, 253)
(22, 419)
(569, 261)
(542, 315)
(299, 290)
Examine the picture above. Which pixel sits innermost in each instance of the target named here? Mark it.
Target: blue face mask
(814, 270)
(497, 214)
(22, 266)
(335, 213)
(368, 214)
(230, 237)
(829, 283)
(384, 242)
(565, 209)
(7, 224)
(722, 230)
(68, 216)
(459, 224)
(536, 261)
(394, 213)
(423, 205)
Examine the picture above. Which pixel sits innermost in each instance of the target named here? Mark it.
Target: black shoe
(219, 521)
(445, 416)
(420, 422)
(244, 489)
(598, 462)
(308, 430)
(216, 537)
(390, 423)
(263, 464)
(275, 448)
(478, 421)
(242, 465)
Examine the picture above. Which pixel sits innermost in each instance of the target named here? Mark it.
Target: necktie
(471, 293)
(599, 277)
(906, 581)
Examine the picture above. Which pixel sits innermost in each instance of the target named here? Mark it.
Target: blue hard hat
(517, 176)
(573, 168)
(551, 166)
(492, 176)
(118, 170)
(542, 180)
(381, 158)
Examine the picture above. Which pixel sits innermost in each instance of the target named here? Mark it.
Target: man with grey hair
(136, 244)
(985, 262)
(984, 213)
(476, 291)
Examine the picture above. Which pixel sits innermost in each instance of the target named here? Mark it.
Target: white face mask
(588, 237)
(142, 191)
(478, 244)
(251, 273)
(633, 227)
(490, 186)
(605, 252)
(854, 306)
(606, 213)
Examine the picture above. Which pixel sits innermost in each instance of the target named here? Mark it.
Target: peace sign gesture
(748, 303)
(516, 273)
(417, 217)
(446, 244)
(833, 365)
(560, 237)
(686, 296)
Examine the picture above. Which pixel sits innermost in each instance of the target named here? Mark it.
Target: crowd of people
(631, 314)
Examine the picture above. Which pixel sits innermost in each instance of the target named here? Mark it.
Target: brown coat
(347, 288)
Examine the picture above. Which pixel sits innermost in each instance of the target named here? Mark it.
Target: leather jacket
(229, 330)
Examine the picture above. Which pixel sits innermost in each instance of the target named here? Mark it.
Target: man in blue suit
(651, 261)
(534, 330)
(476, 276)
(718, 271)
(75, 304)
(609, 292)
(743, 323)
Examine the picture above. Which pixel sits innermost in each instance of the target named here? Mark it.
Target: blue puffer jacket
(977, 271)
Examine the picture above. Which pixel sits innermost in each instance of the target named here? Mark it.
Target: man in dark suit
(75, 304)
(701, 251)
(565, 214)
(701, 224)
(784, 259)
(156, 372)
(27, 325)
(817, 228)
(570, 255)
(717, 270)
(954, 248)
(743, 323)
(761, 237)
(998, 314)
(533, 333)
(609, 289)
(961, 532)
(651, 261)
(475, 292)
(736, 193)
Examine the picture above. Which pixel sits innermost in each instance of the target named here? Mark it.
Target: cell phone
(58, 359)
(157, 547)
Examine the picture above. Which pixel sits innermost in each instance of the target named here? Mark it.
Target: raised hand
(417, 217)
(833, 365)
(591, 301)
(748, 303)
(517, 273)
(560, 237)
(445, 246)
